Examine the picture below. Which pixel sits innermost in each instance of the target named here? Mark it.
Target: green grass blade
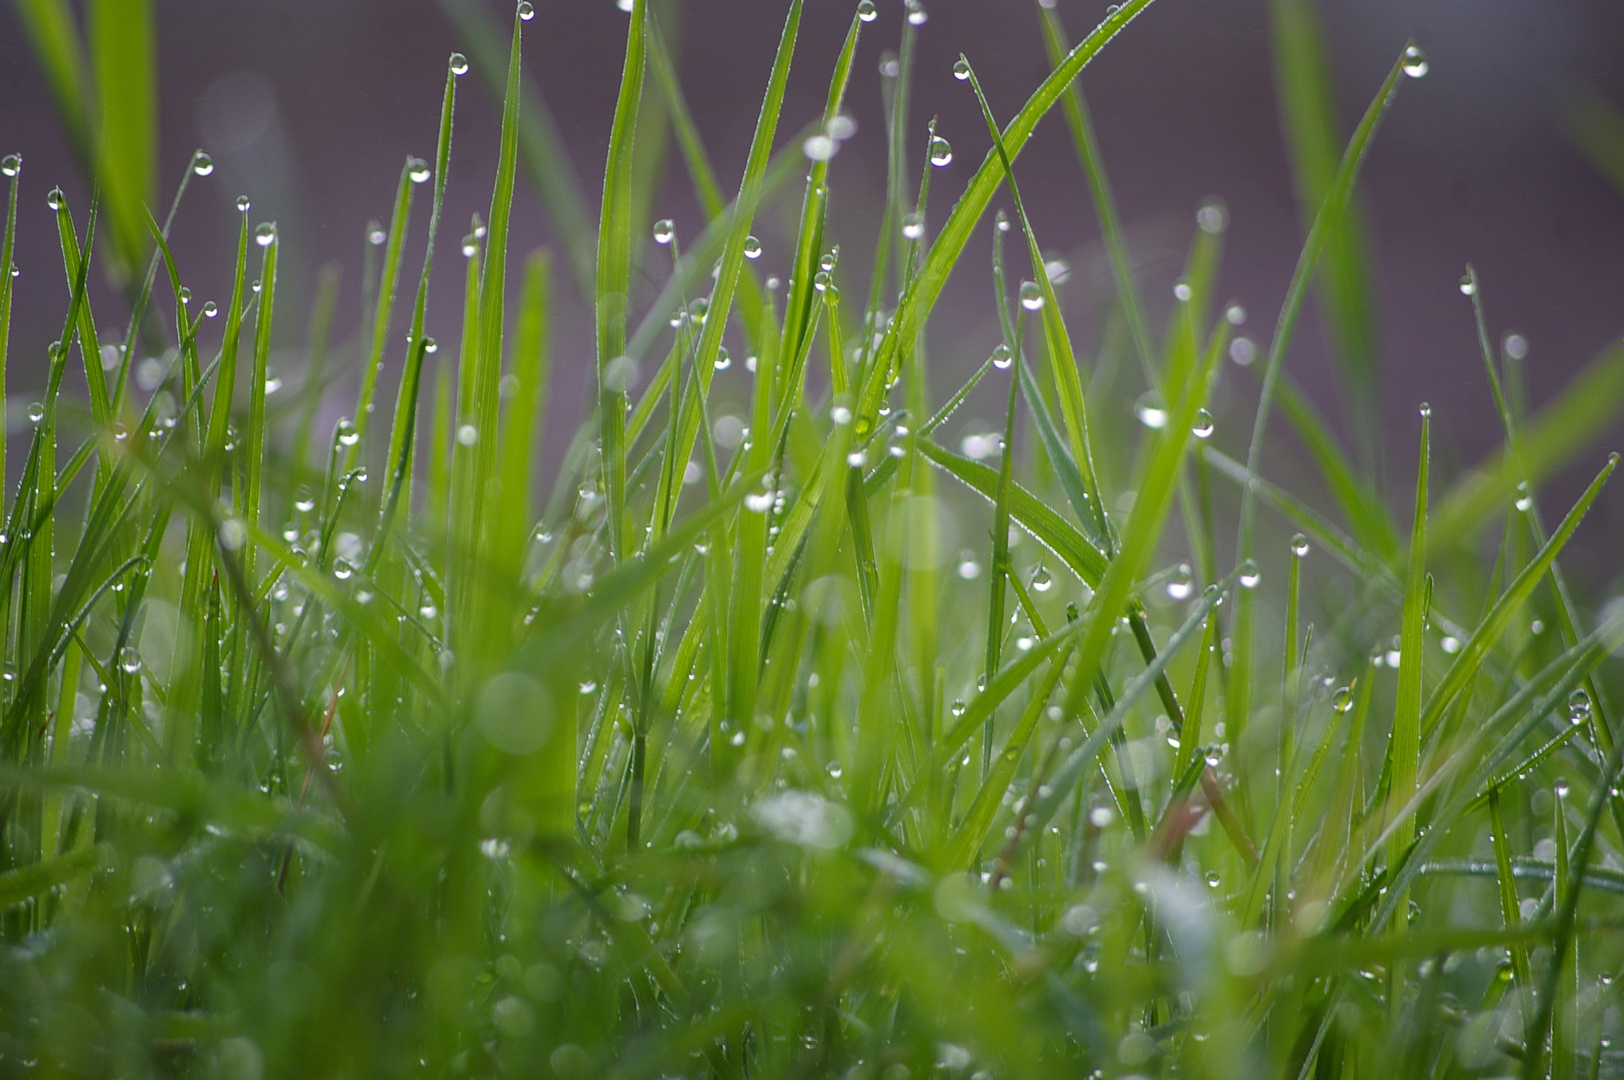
(1404, 746)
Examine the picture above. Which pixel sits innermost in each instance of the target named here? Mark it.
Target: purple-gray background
(310, 106)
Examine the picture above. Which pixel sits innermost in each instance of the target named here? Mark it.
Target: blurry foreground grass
(330, 754)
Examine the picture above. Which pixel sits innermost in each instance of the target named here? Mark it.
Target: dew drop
(12, 164)
(1031, 296)
(1450, 645)
(967, 569)
(723, 360)
(1342, 699)
(417, 171)
(1002, 356)
(1299, 545)
(1468, 287)
(347, 433)
(1516, 346)
(1213, 217)
(210, 309)
(913, 226)
(1578, 706)
(1425, 411)
(664, 231)
(1181, 583)
(202, 164)
(1243, 350)
(467, 435)
(303, 500)
(342, 569)
(941, 152)
(459, 64)
(1212, 879)
(819, 148)
(55, 199)
(1202, 428)
(1524, 499)
(36, 411)
(527, 10)
(866, 11)
(916, 13)
(958, 707)
(1150, 410)
(129, 658)
(752, 248)
(1041, 581)
(961, 69)
(243, 205)
(840, 415)
(1415, 62)
(1250, 575)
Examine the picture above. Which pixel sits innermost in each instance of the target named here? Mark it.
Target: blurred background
(1498, 157)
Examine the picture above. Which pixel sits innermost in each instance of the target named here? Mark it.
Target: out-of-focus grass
(327, 754)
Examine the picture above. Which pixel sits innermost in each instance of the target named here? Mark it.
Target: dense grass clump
(802, 740)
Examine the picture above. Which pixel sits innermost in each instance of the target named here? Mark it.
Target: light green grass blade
(541, 145)
(123, 38)
(472, 513)
(1545, 444)
(1488, 631)
(522, 428)
(1306, 97)
(613, 304)
(1404, 745)
(8, 243)
(256, 439)
(1081, 126)
(394, 247)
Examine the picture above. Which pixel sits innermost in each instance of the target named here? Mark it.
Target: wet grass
(788, 736)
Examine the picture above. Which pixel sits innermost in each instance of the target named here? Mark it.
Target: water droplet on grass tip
(1426, 411)
(1250, 575)
(303, 501)
(1578, 706)
(202, 164)
(1150, 410)
(210, 309)
(12, 164)
(867, 12)
(1468, 286)
(243, 205)
(459, 64)
(819, 148)
(375, 235)
(36, 411)
(1212, 218)
(958, 707)
(129, 658)
(527, 10)
(961, 69)
(664, 231)
(625, 5)
(1002, 357)
(941, 152)
(1202, 428)
(347, 435)
(1041, 581)
(916, 13)
(723, 360)
(1524, 499)
(1181, 583)
(1299, 545)
(1031, 296)
(752, 248)
(264, 234)
(913, 226)
(55, 199)
(417, 171)
(1182, 292)
(1415, 62)
(1516, 346)
(1342, 700)
(1235, 315)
